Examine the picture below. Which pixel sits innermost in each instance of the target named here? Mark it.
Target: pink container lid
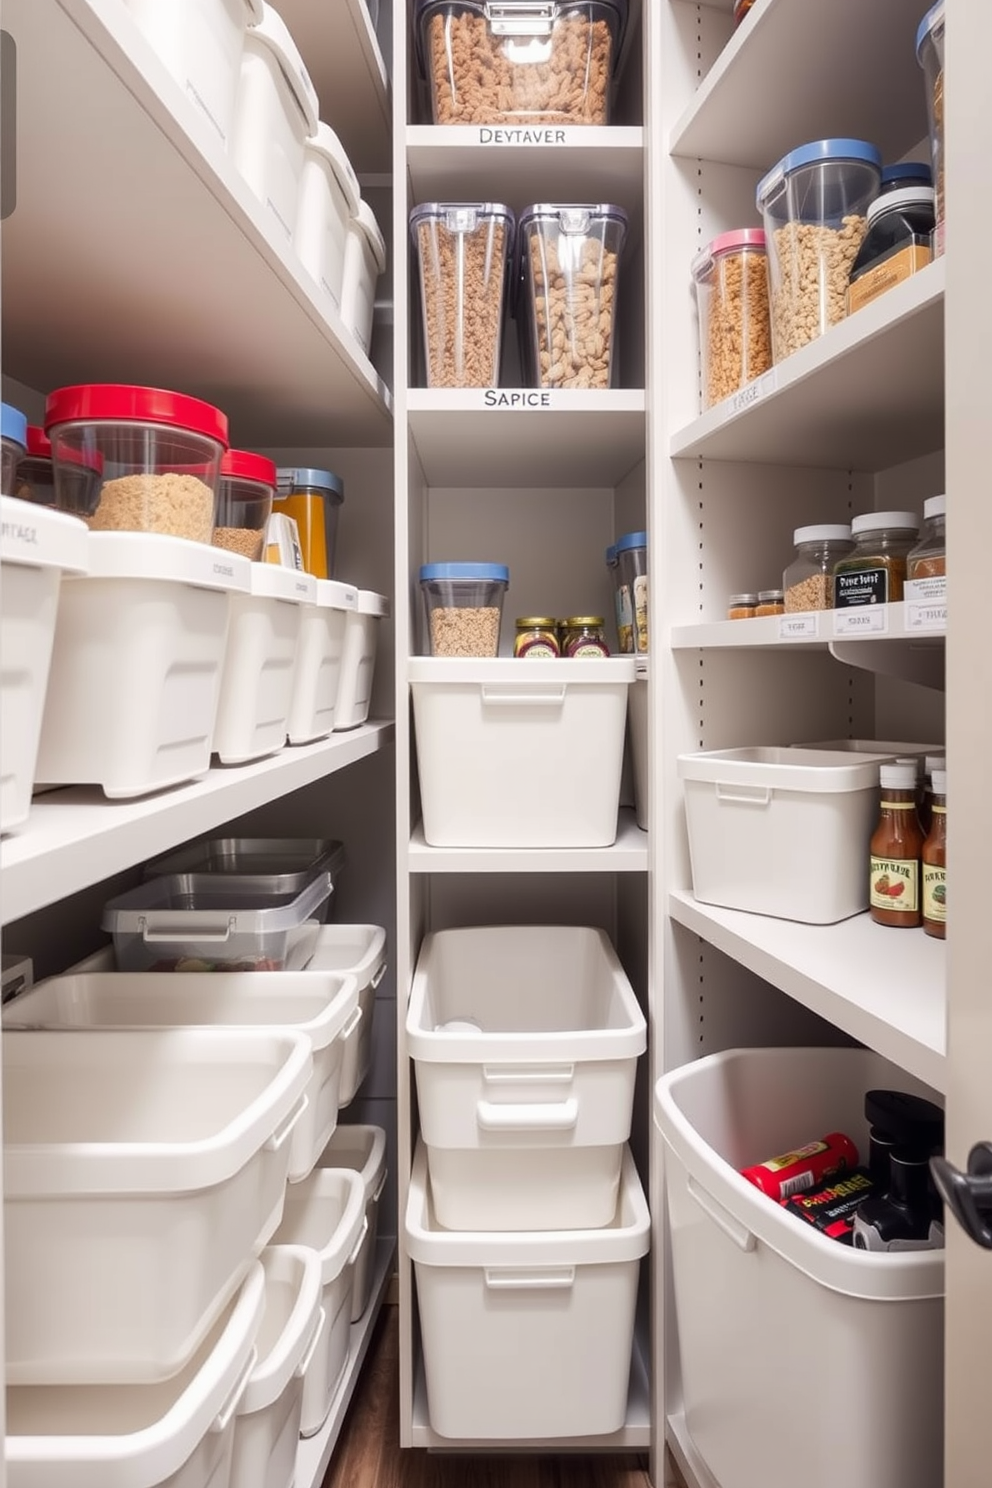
(244, 465)
(745, 237)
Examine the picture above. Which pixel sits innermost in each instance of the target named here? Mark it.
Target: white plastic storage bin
(200, 42)
(275, 113)
(136, 667)
(527, 1336)
(520, 755)
(175, 1434)
(364, 263)
(361, 639)
(328, 199)
(358, 951)
(805, 815)
(363, 1149)
(776, 1320)
(327, 1213)
(142, 1173)
(267, 1425)
(257, 684)
(524, 1040)
(883, 749)
(36, 547)
(318, 1005)
(637, 718)
(319, 661)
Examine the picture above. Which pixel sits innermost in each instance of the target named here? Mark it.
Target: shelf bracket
(913, 661)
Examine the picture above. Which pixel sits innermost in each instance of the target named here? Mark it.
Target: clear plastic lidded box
(463, 255)
(279, 865)
(522, 62)
(464, 605)
(731, 279)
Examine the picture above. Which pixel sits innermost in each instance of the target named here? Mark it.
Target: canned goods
(537, 635)
(584, 636)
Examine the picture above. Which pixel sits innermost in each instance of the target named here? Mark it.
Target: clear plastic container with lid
(731, 280)
(875, 569)
(244, 504)
(930, 55)
(632, 556)
(896, 245)
(14, 442)
(464, 607)
(313, 499)
(463, 254)
(926, 566)
(813, 205)
(157, 455)
(808, 582)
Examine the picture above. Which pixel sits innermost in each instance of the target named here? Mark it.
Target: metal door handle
(968, 1195)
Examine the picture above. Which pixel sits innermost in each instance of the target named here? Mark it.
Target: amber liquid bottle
(935, 860)
(896, 845)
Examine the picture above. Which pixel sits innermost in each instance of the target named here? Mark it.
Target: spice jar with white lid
(875, 570)
(926, 566)
(808, 582)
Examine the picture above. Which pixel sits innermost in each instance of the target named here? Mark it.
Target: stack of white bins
(526, 1221)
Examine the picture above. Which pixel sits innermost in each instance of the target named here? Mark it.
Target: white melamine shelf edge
(764, 633)
(314, 1452)
(683, 1449)
(884, 987)
(629, 854)
(76, 837)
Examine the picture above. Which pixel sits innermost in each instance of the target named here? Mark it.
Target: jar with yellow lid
(536, 636)
(584, 635)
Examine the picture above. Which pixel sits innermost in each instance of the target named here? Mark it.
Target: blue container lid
(13, 424)
(611, 556)
(631, 540)
(933, 18)
(819, 152)
(289, 477)
(497, 573)
(908, 173)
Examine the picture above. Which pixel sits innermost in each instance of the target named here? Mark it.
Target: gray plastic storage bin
(274, 865)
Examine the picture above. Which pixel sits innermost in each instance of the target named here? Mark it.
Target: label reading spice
(895, 884)
(934, 893)
(861, 586)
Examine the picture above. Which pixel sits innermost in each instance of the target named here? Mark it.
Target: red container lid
(244, 465)
(39, 443)
(122, 403)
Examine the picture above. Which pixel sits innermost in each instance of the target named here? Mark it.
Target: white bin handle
(359, 1242)
(554, 697)
(380, 1186)
(543, 1116)
(218, 933)
(731, 1227)
(311, 1347)
(378, 975)
(744, 795)
(559, 1278)
(351, 1023)
(223, 1416)
(279, 1136)
(528, 1074)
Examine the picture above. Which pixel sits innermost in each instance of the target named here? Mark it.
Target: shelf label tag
(926, 616)
(521, 136)
(802, 627)
(516, 398)
(862, 620)
(760, 388)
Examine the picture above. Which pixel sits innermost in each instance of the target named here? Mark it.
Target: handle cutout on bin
(722, 1218)
(378, 975)
(528, 1074)
(744, 795)
(494, 697)
(223, 1417)
(281, 1133)
(176, 932)
(555, 1278)
(351, 1023)
(556, 1116)
(377, 1195)
(359, 1242)
(311, 1347)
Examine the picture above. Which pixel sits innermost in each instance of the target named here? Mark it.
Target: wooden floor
(368, 1453)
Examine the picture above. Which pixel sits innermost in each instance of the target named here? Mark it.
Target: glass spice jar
(926, 566)
(742, 606)
(584, 636)
(874, 571)
(536, 635)
(770, 602)
(808, 581)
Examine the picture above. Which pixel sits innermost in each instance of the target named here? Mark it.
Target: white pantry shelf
(544, 436)
(342, 55)
(141, 255)
(76, 837)
(883, 987)
(866, 395)
(815, 67)
(628, 854)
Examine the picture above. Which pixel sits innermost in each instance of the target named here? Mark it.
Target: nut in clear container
(463, 251)
(731, 280)
(808, 582)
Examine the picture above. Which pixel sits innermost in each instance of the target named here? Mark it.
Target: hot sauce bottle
(896, 845)
(934, 856)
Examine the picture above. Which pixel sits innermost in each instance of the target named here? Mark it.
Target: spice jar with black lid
(874, 571)
(896, 245)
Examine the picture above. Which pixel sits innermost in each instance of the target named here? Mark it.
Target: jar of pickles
(875, 570)
(584, 635)
(536, 636)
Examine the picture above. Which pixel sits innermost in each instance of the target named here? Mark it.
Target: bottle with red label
(795, 1172)
(896, 844)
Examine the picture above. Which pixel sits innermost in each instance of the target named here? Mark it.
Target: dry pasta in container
(463, 252)
(464, 604)
(568, 257)
(523, 62)
(731, 279)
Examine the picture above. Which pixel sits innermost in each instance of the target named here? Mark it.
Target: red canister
(795, 1172)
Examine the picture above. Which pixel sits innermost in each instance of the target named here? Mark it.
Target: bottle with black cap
(904, 1211)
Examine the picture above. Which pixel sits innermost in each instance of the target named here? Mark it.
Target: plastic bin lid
(921, 197)
(906, 172)
(333, 595)
(574, 217)
(365, 223)
(933, 19)
(324, 142)
(268, 857)
(631, 540)
(38, 443)
(935, 506)
(781, 768)
(544, 16)
(728, 242)
(153, 555)
(819, 152)
(244, 465)
(118, 402)
(272, 29)
(290, 478)
(496, 573)
(370, 603)
(291, 585)
(40, 537)
(460, 216)
(13, 424)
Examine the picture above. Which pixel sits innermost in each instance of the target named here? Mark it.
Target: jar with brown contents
(742, 606)
(934, 857)
(896, 843)
(808, 582)
(537, 635)
(731, 278)
(874, 571)
(770, 602)
(584, 636)
(926, 565)
(463, 250)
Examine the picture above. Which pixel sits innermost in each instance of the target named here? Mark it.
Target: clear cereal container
(930, 55)
(568, 257)
(464, 607)
(157, 454)
(520, 61)
(731, 279)
(244, 503)
(14, 443)
(463, 253)
(813, 205)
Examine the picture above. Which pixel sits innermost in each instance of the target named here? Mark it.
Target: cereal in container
(464, 604)
(808, 582)
(731, 280)
(463, 253)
